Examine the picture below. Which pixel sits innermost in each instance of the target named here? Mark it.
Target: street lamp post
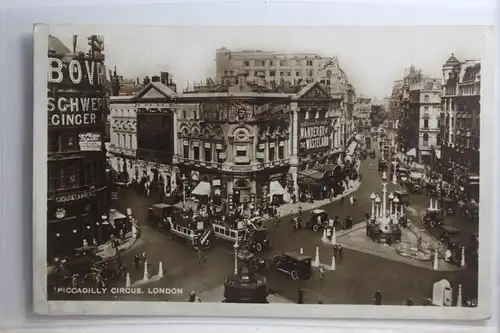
(396, 202)
(384, 193)
(372, 198)
(391, 198)
(236, 258)
(377, 202)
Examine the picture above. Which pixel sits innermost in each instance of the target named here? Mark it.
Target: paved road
(354, 281)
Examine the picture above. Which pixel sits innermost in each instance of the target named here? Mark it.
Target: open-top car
(297, 265)
(450, 237)
(433, 217)
(318, 219)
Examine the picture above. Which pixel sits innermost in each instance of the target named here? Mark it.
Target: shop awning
(412, 152)
(203, 188)
(275, 188)
(325, 167)
(310, 173)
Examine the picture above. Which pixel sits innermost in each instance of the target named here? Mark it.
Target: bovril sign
(315, 135)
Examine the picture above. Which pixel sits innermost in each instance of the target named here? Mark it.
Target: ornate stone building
(460, 118)
(244, 143)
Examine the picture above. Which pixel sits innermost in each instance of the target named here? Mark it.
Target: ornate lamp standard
(396, 202)
(372, 198)
(236, 257)
(377, 204)
(391, 198)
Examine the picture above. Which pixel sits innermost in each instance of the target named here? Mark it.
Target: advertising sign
(90, 141)
(315, 135)
(72, 107)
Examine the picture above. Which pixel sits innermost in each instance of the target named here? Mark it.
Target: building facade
(425, 111)
(272, 68)
(460, 122)
(243, 143)
(77, 179)
(362, 113)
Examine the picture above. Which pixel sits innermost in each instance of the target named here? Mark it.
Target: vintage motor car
(159, 213)
(450, 237)
(298, 266)
(382, 165)
(318, 219)
(449, 206)
(403, 197)
(433, 217)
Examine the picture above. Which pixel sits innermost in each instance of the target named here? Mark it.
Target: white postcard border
(303, 311)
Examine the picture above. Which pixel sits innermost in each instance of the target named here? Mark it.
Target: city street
(354, 281)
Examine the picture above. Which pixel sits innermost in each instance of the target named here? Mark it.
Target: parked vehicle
(298, 266)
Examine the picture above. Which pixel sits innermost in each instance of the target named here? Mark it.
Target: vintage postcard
(320, 172)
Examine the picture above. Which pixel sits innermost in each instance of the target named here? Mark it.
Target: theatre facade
(239, 144)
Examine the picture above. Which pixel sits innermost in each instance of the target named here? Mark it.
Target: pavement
(354, 281)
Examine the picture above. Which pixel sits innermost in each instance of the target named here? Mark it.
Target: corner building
(76, 163)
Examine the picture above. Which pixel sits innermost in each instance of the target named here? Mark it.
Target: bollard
(334, 237)
(324, 238)
(146, 275)
(160, 269)
(459, 296)
(332, 267)
(316, 262)
(301, 251)
(127, 281)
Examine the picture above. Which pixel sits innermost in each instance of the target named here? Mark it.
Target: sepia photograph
(326, 166)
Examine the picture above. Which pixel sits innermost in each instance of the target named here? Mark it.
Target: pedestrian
(340, 252)
(342, 200)
(377, 298)
(336, 251)
(409, 301)
(351, 199)
(136, 262)
(321, 272)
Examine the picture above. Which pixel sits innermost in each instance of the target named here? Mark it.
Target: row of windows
(125, 140)
(241, 151)
(264, 63)
(61, 143)
(123, 113)
(66, 174)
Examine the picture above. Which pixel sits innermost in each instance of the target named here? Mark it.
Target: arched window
(425, 139)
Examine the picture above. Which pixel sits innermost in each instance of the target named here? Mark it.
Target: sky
(372, 57)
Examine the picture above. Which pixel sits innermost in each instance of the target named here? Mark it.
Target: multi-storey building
(362, 114)
(240, 143)
(460, 130)
(425, 111)
(268, 68)
(76, 164)
(407, 125)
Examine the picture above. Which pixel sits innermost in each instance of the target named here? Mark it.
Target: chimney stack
(155, 78)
